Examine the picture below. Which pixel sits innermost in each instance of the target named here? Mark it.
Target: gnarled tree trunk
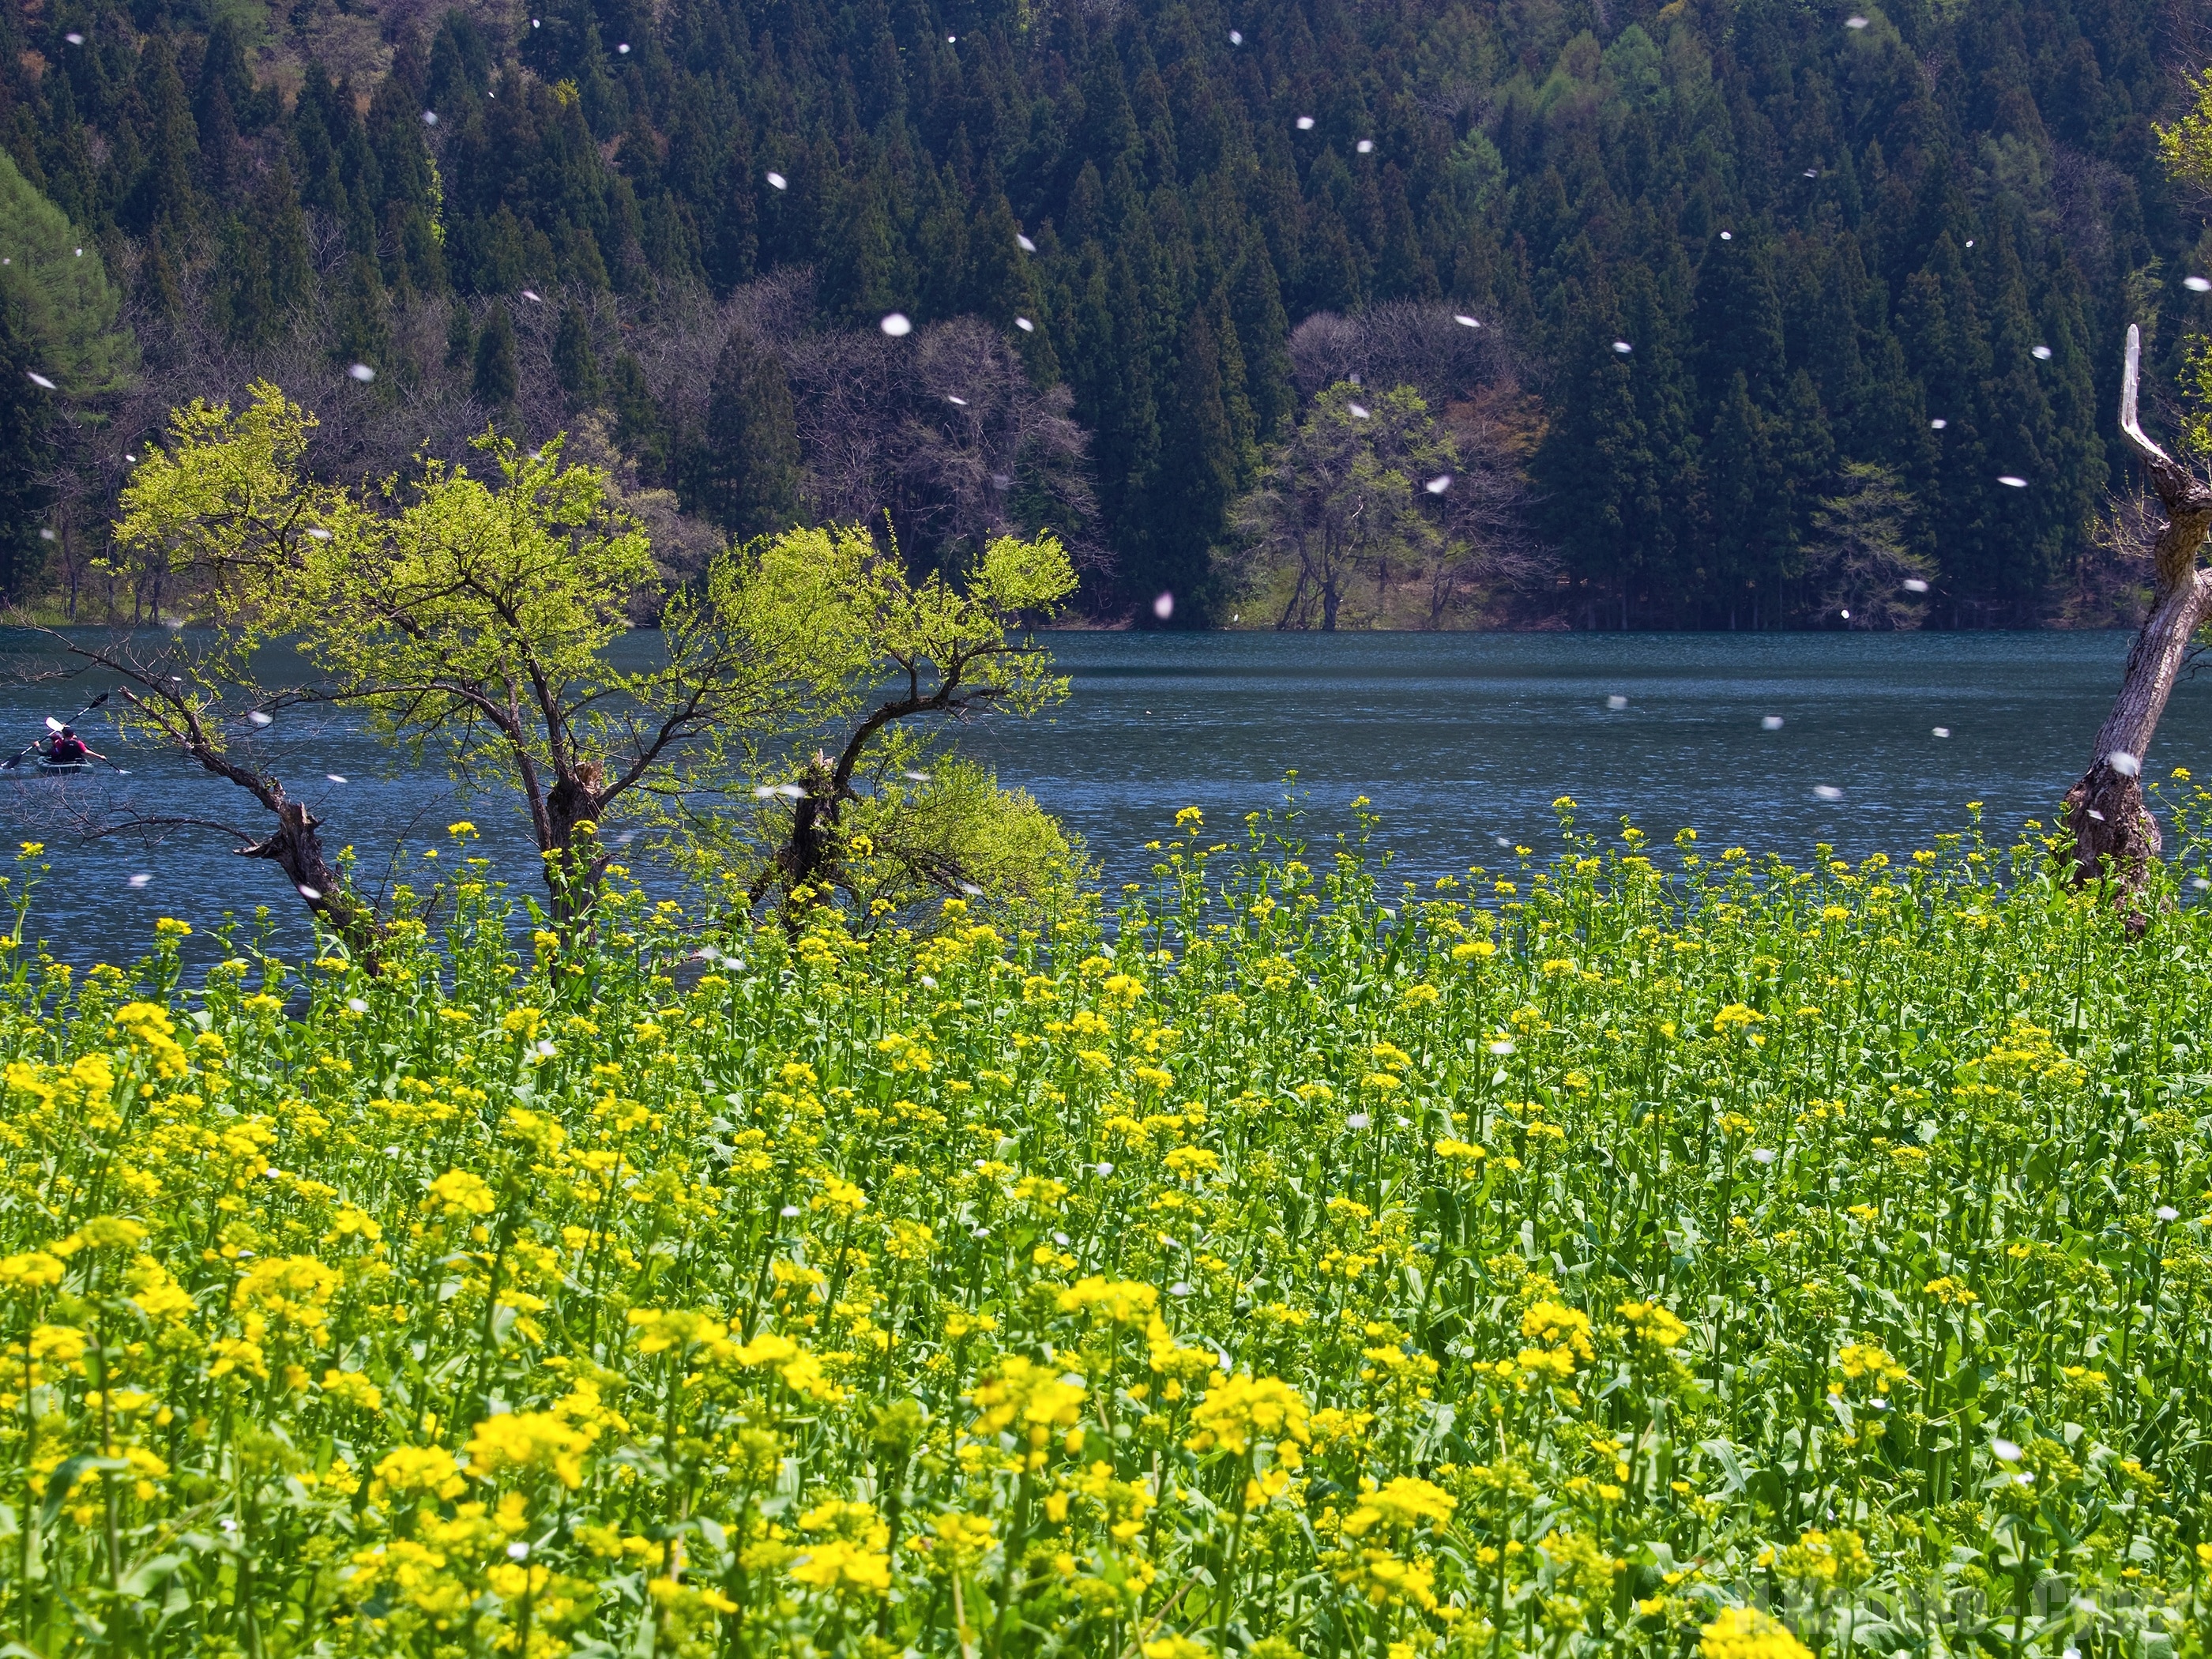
(2113, 832)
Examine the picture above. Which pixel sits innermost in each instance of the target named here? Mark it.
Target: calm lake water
(1458, 740)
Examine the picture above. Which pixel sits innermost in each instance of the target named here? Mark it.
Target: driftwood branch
(2115, 837)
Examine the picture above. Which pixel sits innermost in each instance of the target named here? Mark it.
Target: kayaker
(65, 748)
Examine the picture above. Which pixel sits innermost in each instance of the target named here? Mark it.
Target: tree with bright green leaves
(1344, 511)
(1861, 552)
(72, 313)
(471, 618)
(881, 814)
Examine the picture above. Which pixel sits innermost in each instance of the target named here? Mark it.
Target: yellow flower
(844, 1567)
(1176, 1647)
(33, 1270)
(428, 1470)
(457, 1193)
(1243, 1409)
(351, 1388)
(1748, 1633)
(1403, 1505)
(1123, 1301)
(531, 1442)
(1654, 1323)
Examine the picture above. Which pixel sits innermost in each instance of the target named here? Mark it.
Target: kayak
(46, 769)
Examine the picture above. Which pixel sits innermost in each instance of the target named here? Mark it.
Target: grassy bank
(1621, 1250)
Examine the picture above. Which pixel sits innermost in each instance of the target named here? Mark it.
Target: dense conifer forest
(1726, 313)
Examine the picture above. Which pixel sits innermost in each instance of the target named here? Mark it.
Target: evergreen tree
(749, 468)
(1197, 479)
(494, 383)
(575, 366)
(27, 413)
(71, 313)
(362, 328)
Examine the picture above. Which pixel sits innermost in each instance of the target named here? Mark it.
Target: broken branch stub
(2113, 832)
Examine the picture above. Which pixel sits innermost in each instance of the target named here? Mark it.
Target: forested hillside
(1773, 298)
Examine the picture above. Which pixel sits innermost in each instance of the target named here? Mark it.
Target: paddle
(53, 724)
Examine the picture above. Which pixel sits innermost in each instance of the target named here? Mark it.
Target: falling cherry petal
(530, 295)
(2126, 765)
(1623, 347)
(39, 379)
(1827, 792)
(1025, 325)
(362, 373)
(1616, 702)
(1305, 124)
(1365, 146)
(74, 40)
(1024, 243)
(1438, 485)
(2041, 354)
(260, 717)
(310, 894)
(1236, 38)
(1938, 424)
(624, 48)
(1465, 321)
(896, 324)
(1770, 723)
(1728, 236)
(429, 118)
(958, 402)
(2198, 284)
(1941, 731)
(141, 880)
(1914, 584)
(1164, 607)
(1359, 411)
(1854, 22)
(777, 181)
(335, 777)
(2012, 481)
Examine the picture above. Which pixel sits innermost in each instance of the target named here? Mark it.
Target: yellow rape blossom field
(1631, 1251)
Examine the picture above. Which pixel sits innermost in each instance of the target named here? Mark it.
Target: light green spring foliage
(75, 313)
(1555, 1259)
(477, 618)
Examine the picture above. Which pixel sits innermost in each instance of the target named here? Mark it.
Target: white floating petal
(1827, 792)
(777, 181)
(1937, 424)
(1236, 38)
(1358, 1120)
(74, 40)
(1728, 236)
(1770, 722)
(624, 48)
(1365, 146)
(1623, 347)
(335, 777)
(39, 379)
(896, 324)
(310, 894)
(2012, 480)
(1438, 485)
(1164, 607)
(2198, 284)
(362, 373)
(2041, 354)
(2005, 1450)
(960, 402)
(1358, 410)
(790, 791)
(1025, 325)
(429, 118)
(141, 880)
(260, 718)
(1942, 731)
(1616, 701)
(1024, 243)
(1464, 320)
(1914, 584)
(1305, 124)
(2125, 764)
(1854, 22)
(530, 295)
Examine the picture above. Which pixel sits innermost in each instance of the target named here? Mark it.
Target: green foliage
(1861, 552)
(494, 383)
(750, 466)
(1342, 511)
(26, 453)
(72, 312)
(1616, 1252)
(2186, 147)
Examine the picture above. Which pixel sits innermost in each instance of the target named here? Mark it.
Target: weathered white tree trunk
(2114, 833)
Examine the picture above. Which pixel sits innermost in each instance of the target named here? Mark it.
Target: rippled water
(1457, 739)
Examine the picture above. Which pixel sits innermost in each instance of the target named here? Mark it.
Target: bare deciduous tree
(2113, 832)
